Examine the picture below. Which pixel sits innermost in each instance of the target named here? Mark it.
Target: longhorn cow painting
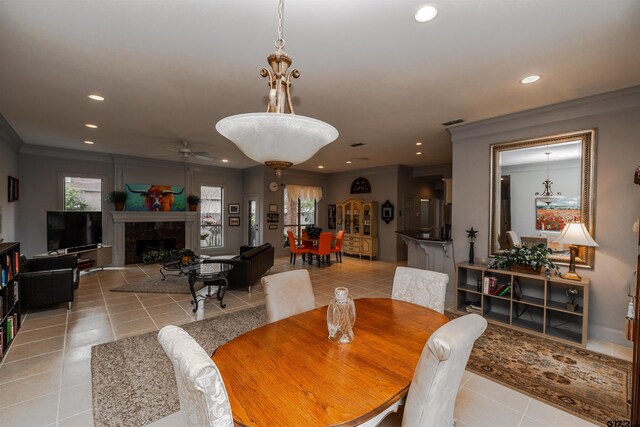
(145, 197)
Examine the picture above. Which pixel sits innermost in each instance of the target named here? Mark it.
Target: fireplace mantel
(189, 218)
(151, 216)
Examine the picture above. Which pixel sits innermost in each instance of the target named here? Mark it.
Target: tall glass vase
(341, 317)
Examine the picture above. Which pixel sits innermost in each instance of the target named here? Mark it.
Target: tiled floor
(45, 379)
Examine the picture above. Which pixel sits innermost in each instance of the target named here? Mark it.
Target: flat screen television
(73, 229)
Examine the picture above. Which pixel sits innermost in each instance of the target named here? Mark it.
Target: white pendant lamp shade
(269, 137)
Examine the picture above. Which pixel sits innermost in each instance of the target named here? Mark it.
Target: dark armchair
(48, 281)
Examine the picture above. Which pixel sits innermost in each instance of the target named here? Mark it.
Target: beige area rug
(155, 284)
(133, 382)
(587, 384)
(132, 378)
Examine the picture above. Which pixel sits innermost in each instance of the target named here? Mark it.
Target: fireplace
(143, 236)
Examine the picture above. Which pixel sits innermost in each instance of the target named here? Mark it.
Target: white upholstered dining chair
(432, 394)
(422, 287)
(287, 294)
(203, 395)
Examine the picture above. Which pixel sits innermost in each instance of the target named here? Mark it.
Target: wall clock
(273, 186)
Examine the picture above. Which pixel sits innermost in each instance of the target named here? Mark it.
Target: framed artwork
(554, 216)
(332, 217)
(273, 208)
(273, 226)
(152, 197)
(234, 221)
(234, 209)
(13, 189)
(273, 217)
(387, 212)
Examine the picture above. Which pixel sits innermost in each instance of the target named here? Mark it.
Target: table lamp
(574, 234)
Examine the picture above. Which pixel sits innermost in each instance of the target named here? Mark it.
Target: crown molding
(8, 135)
(603, 103)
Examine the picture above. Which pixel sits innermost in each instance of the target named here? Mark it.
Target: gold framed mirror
(537, 186)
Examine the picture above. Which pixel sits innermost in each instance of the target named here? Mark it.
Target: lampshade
(268, 137)
(575, 233)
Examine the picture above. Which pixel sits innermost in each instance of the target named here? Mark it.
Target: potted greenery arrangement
(186, 255)
(193, 201)
(155, 256)
(118, 198)
(526, 259)
(204, 235)
(571, 304)
(313, 232)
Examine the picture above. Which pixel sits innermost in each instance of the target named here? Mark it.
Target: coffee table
(211, 272)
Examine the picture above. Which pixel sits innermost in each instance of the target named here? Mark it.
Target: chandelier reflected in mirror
(278, 138)
(547, 195)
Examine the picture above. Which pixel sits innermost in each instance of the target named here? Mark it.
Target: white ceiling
(170, 69)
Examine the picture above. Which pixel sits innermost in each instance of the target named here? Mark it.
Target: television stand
(88, 259)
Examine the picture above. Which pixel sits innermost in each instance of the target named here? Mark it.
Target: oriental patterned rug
(590, 385)
(134, 385)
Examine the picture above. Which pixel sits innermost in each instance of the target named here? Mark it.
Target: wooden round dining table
(288, 373)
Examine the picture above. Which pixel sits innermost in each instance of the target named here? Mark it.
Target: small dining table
(288, 373)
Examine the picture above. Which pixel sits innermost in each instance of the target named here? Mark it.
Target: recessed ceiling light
(89, 142)
(530, 79)
(348, 162)
(419, 153)
(96, 97)
(89, 125)
(418, 143)
(320, 167)
(426, 13)
(225, 161)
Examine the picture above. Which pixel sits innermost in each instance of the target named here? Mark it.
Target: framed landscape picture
(234, 221)
(234, 209)
(554, 216)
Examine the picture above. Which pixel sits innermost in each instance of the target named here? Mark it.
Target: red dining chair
(295, 249)
(306, 240)
(323, 248)
(337, 249)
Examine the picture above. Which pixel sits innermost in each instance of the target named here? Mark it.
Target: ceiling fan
(185, 152)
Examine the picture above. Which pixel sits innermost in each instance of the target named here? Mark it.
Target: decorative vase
(119, 206)
(471, 253)
(193, 207)
(523, 268)
(341, 317)
(571, 306)
(186, 259)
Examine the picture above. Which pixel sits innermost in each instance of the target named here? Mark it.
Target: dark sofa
(48, 281)
(250, 265)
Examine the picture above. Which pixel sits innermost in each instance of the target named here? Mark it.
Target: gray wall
(616, 116)
(9, 145)
(384, 186)
(43, 170)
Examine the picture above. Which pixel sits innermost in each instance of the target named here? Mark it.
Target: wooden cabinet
(528, 301)
(10, 314)
(88, 258)
(359, 220)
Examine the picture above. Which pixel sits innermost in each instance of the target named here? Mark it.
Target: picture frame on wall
(13, 189)
(273, 226)
(273, 208)
(234, 221)
(273, 217)
(332, 217)
(234, 209)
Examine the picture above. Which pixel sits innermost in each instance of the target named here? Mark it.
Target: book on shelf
(15, 292)
(1, 343)
(504, 291)
(9, 329)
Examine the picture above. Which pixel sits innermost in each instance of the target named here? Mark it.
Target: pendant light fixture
(547, 195)
(278, 138)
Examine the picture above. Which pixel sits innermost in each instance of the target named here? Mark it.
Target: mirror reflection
(538, 187)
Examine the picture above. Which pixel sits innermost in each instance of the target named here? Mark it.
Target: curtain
(304, 192)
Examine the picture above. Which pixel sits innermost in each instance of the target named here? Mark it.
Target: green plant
(73, 200)
(154, 256)
(117, 196)
(186, 252)
(534, 257)
(192, 199)
(313, 232)
(204, 235)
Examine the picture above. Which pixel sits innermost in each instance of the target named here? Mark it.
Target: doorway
(253, 216)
